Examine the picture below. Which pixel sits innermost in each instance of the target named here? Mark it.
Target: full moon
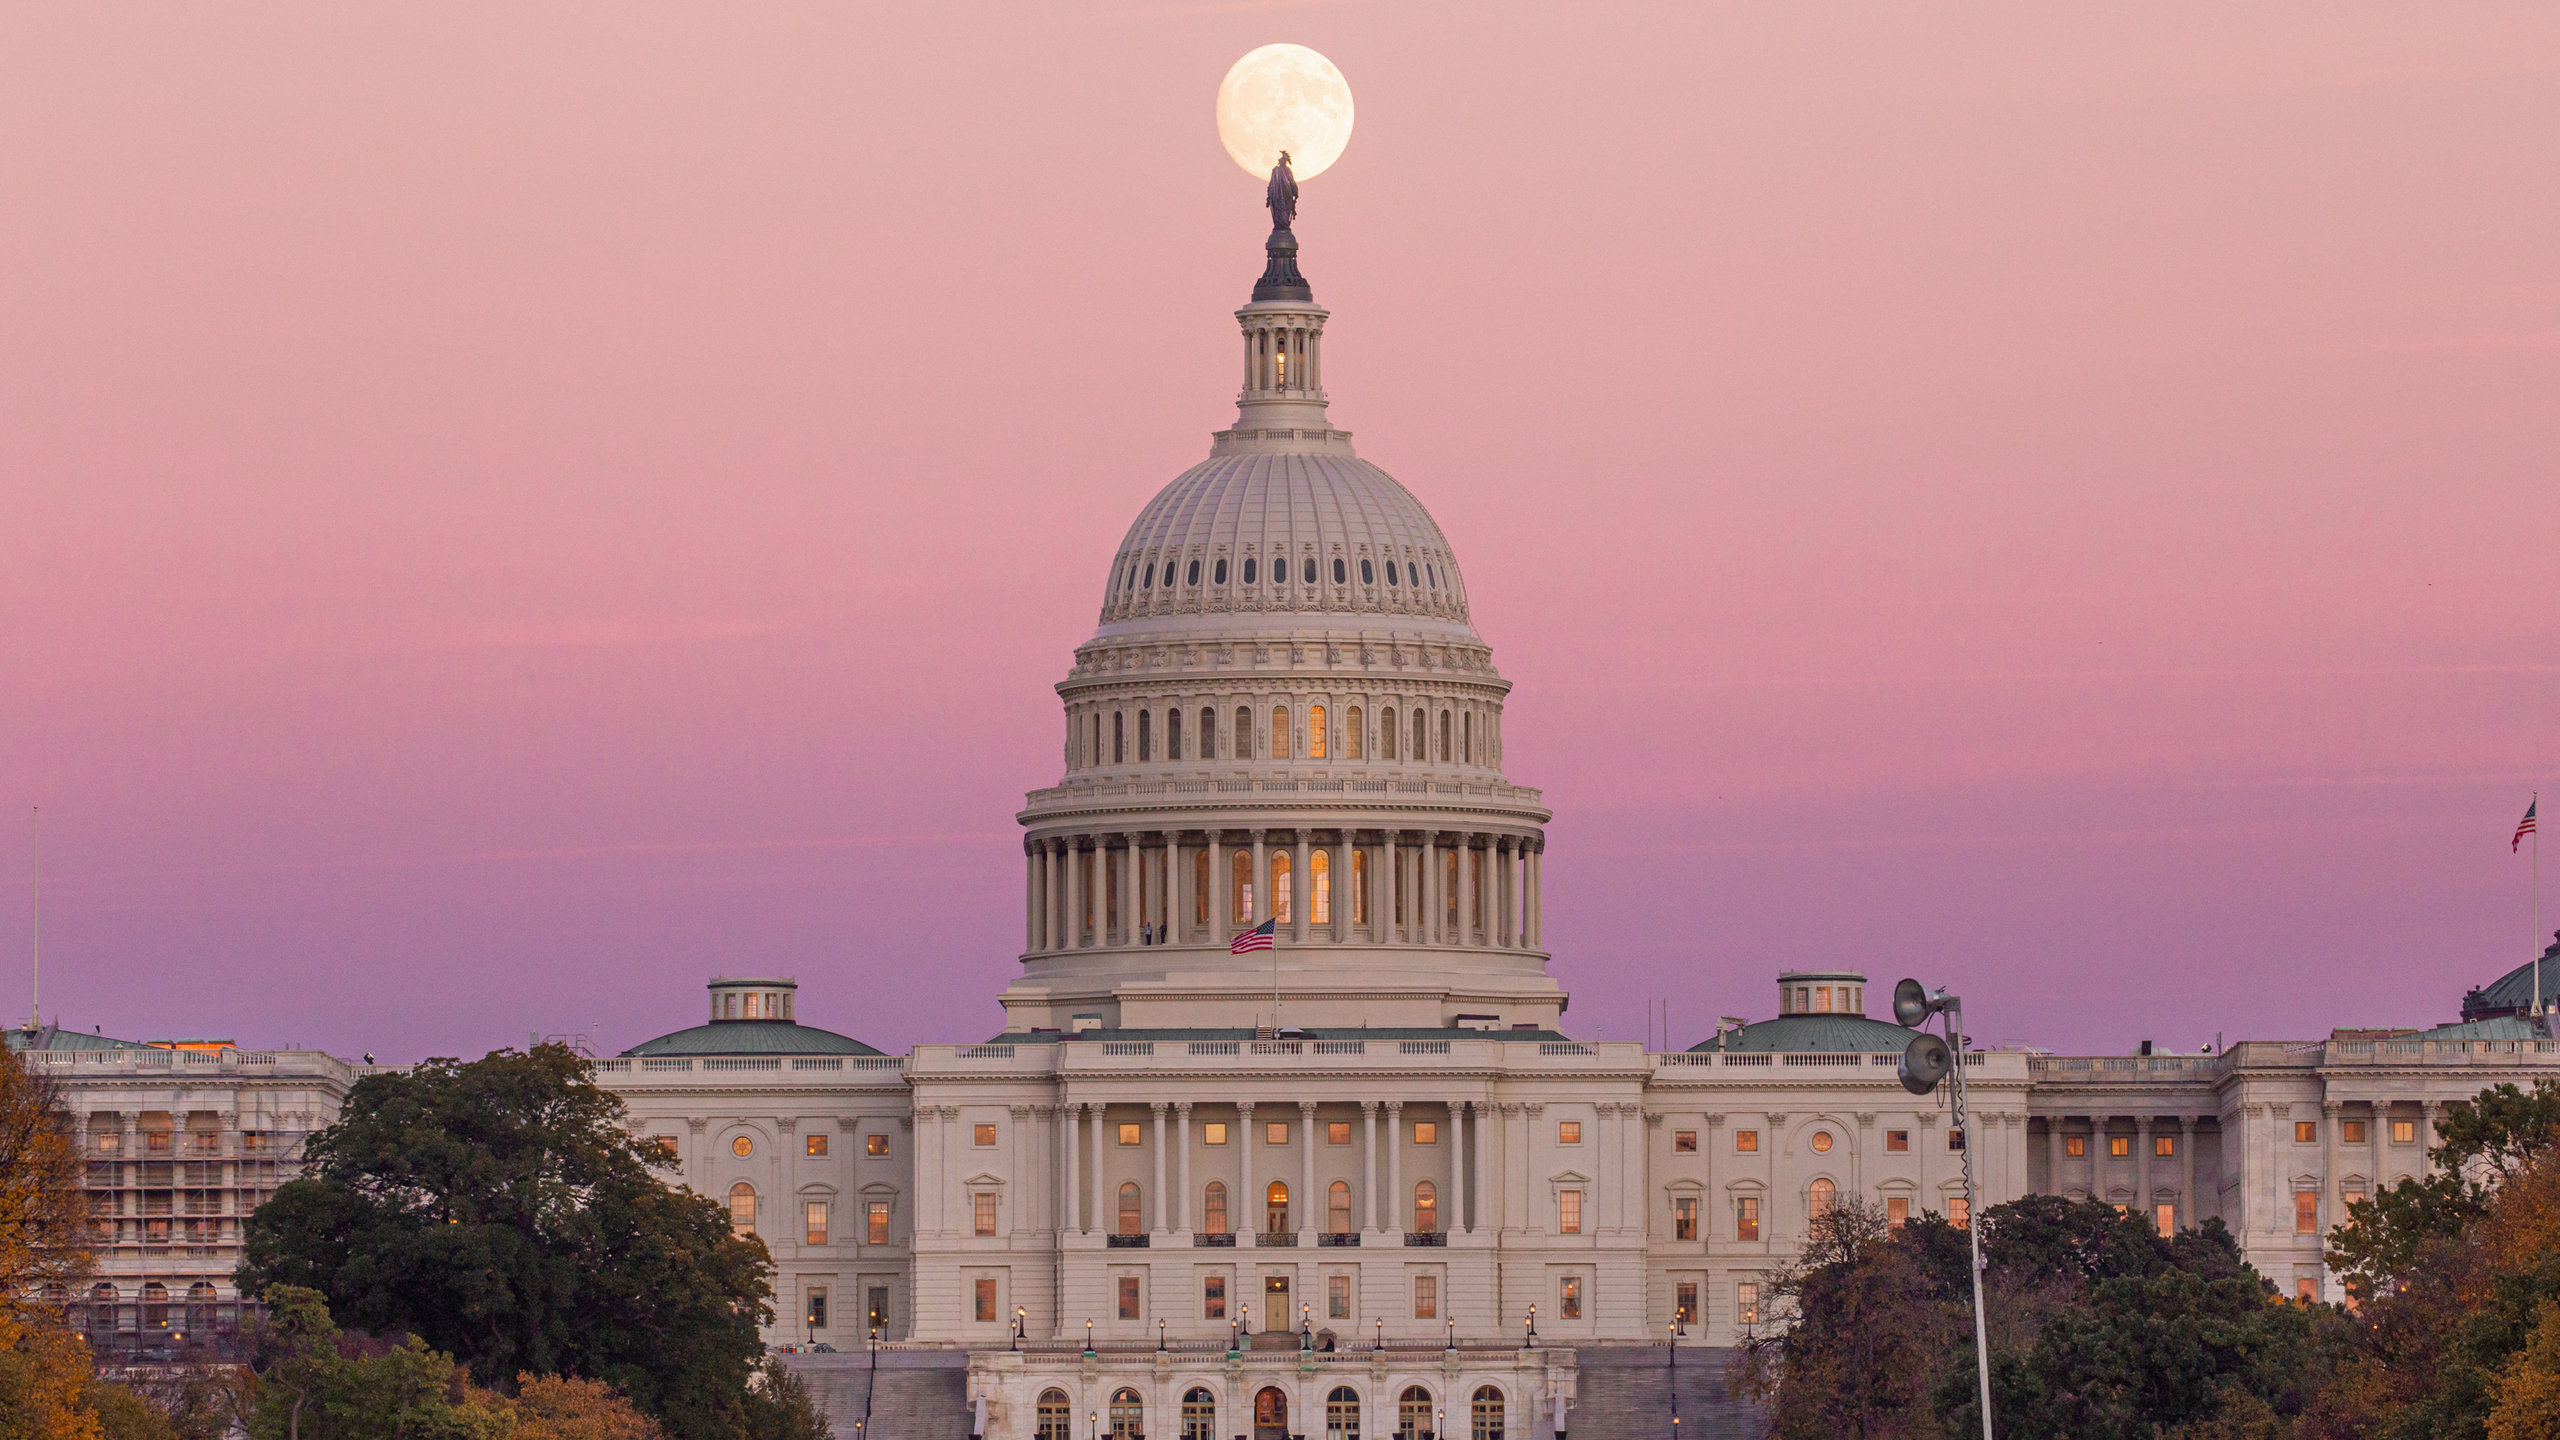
(1284, 97)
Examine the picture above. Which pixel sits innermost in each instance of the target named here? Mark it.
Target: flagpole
(2536, 808)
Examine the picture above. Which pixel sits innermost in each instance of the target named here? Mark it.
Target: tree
(43, 1226)
(2503, 1132)
(554, 1407)
(1874, 1319)
(498, 1210)
(315, 1383)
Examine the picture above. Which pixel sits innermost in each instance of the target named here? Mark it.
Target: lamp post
(1159, 1337)
(1927, 1061)
(1529, 1336)
(1453, 1332)
(1306, 1327)
(1381, 1343)
(1088, 1337)
(1673, 1345)
(1019, 1313)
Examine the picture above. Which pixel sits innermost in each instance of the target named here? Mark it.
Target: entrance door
(1270, 1414)
(1276, 1314)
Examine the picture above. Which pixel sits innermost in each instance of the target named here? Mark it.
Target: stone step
(1625, 1394)
(922, 1394)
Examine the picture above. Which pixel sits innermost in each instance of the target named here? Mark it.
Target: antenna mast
(35, 917)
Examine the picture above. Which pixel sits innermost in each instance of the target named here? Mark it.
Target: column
(1343, 884)
(2187, 1171)
(1307, 1212)
(2330, 1110)
(1538, 896)
(2053, 1155)
(1457, 1165)
(1302, 889)
(1162, 1215)
(1510, 892)
(1075, 894)
(1369, 1159)
(1068, 1213)
(2142, 1163)
(1101, 1197)
(1398, 1216)
(1177, 888)
(1483, 1186)
(945, 1147)
(1634, 1187)
(1051, 902)
(1382, 914)
(1030, 900)
(1426, 890)
(1182, 1166)
(1221, 924)
(2428, 1111)
(1132, 898)
(1243, 1213)
(2380, 1132)
(1466, 848)
(1261, 883)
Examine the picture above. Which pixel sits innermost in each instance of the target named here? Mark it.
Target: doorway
(1270, 1414)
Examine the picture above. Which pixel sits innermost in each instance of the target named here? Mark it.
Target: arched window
(1819, 1197)
(1484, 1421)
(1280, 571)
(1131, 1223)
(1426, 1208)
(1279, 732)
(1192, 575)
(1341, 575)
(1128, 1414)
(1049, 1416)
(1208, 734)
(1120, 736)
(1241, 742)
(1248, 571)
(155, 1305)
(1337, 1208)
(1466, 739)
(1391, 572)
(1413, 1411)
(1271, 1408)
(1307, 571)
(742, 1209)
(1199, 1414)
(1368, 576)
(1146, 735)
(1218, 573)
(1420, 750)
(1351, 736)
(1240, 887)
(1445, 752)
(1342, 1408)
(1275, 1205)
(1173, 734)
(1315, 732)
(1360, 886)
(1320, 887)
(1213, 1209)
(1280, 888)
(1151, 574)
(1410, 577)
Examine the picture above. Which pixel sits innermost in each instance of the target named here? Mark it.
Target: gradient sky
(509, 509)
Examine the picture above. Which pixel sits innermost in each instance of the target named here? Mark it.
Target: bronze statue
(1282, 194)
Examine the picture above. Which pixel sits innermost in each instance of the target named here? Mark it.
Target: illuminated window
(1569, 1297)
(1131, 1222)
(2119, 1146)
(2164, 1218)
(816, 1310)
(2167, 1145)
(982, 1295)
(817, 1145)
(1684, 1217)
(742, 1209)
(1240, 886)
(2353, 1132)
(1129, 1133)
(666, 1145)
(814, 1220)
(1337, 1132)
(1213, 1133)
(1897, 1141)
(982, 1207)
(1684, 1142)
(1426, 1208)
(1337, 1297)
(1426, 1298)
(2075, 1146)
(1684, 1302)
(1351, 732)
(1337, 1208)
(1746, 1141)
(1426, 1132)
(1129, 1309)
(1568, 1132)
(1819, 1197)
(1821, 1142)
(2404, 1132)
(2355, 1197)
(2306, 1288)
(1320, 881)
(1360, 887)
(1280, 733)
(1315, 732)
(1275, 1206)
(1897, 1211)
(1958, 1211)
(1746, 1302)
(875, 1145)
(1213, 1297)
(2306, 1212)
(1275, 1132)
(1821, 999)
(984, 1135)
(1955, 1139)
(875, 1222)
(2306, 1132)
(1746, 1217)
(742, 1147)
(1213, 1209)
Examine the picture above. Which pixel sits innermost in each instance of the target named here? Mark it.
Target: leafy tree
(498, 1210)
(554, 1407)
(1874, 1318)
(318, 1384)
(2503, 1132)
(43, 1227)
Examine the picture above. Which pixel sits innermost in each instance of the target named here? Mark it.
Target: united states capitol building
(1366, 1181)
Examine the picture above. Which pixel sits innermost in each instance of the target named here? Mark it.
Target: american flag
(2526, 828)
(1260, 937)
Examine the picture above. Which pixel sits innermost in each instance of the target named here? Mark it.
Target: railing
(1216, 1047)
(1281, 1239)
(1422, 1047)
(1548, 1048)
(1137, 1048)
(1202, 1239)
(1686, 1057)
(1279, 1047)
(1337, 1239)
(726, 1062)
(1342, 1047)
(1753, 1057)
(613, 1067)
(876, 1062)
(1426, 1240)
(665, 1065)
(986, 1052)
(831, 1062)
(1126, 1242)
(1822, 1057)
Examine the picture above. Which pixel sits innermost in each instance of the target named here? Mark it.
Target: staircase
(1625, 1394)
(924, 1394)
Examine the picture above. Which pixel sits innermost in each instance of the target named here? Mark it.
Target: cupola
(738, 999)
(1822, 992)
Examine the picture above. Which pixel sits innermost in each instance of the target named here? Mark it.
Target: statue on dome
(1282, 194)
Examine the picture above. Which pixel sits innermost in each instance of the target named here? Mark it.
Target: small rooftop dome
(1822, 992)
(753, 1017)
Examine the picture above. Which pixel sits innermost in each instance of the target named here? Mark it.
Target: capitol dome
(1283, 719)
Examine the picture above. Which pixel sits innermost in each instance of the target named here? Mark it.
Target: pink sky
(506, 510)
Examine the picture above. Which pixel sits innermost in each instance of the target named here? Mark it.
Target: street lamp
(1453, 1332)
(1018, 1315)
(1306, 1327)
(1088, 1337)
(1677, 1331)
(1382, 1334)
(1529, 1337)
(1159, 1337)
(1926, 1062)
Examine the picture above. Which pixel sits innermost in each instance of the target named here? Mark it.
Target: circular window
(742, 1147)
(1308, 570)
(1341, 572)
(1219, 575)
(1193, 577)
(1821, 1142)
(1248, 572)
(1367, 575)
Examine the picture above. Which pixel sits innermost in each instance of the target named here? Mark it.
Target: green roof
(752, 1037)
(1312, 1032)
(54, 1037)
(1828, 1034)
